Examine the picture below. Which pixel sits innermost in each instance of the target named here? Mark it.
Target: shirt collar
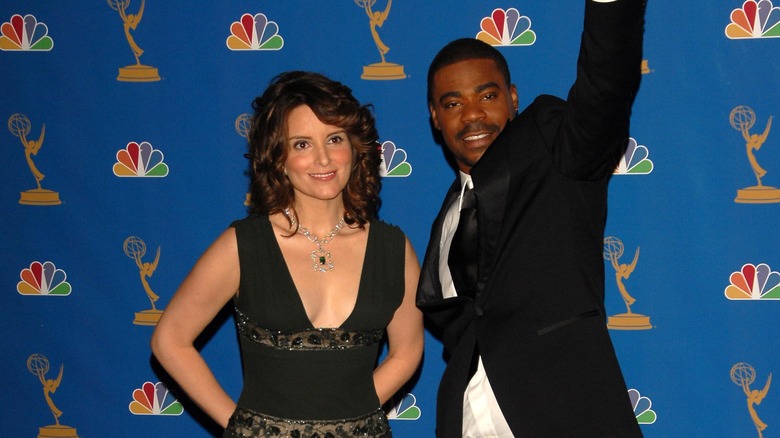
(465, 183)
(465, 180)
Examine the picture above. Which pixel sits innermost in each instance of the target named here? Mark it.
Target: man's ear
(435, 121)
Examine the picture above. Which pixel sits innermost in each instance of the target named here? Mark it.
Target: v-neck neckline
(291, 283)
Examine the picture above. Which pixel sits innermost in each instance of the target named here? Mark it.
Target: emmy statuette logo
(381, 70)
(645, 68)
(135, 248)
(136, 72)
(613, 250)
(19, 125)
(743, 374)
(243, 125)
(38, 365)
(743, 118)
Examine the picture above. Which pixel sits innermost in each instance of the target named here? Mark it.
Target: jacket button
(478, 310)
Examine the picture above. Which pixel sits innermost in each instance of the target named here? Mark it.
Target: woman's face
(319, 156)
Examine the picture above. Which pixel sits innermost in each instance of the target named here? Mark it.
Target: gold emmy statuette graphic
(39, 365)
(381, 70)
(743, 374)
(743, 118)
(135, 248)
(243, 125)
(645, 67)
(137, 72)
(19, 125)
(613, 250)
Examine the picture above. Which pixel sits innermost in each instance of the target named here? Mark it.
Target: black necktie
(463, 256)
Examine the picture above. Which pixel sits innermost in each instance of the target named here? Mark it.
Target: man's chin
(468, 162)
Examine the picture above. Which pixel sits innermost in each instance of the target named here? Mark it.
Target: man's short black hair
(464, 49)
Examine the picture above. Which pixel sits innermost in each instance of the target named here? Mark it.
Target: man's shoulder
(545, 102)
(540, 112)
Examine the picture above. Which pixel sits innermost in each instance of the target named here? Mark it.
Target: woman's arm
(202, 294)
(404, 336)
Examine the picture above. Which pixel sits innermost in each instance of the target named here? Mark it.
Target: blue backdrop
(133, 114)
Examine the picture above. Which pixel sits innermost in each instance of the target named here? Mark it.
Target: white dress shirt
(482, 418)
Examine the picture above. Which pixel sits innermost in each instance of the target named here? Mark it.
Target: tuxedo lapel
(491, 185)
(429, 290)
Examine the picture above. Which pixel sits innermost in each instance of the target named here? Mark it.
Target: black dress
(302, 381)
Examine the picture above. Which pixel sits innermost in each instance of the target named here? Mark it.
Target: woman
(315, 278)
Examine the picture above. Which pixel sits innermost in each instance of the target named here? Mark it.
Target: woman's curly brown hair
(333, 104)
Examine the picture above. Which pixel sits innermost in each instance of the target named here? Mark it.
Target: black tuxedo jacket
(538, 319)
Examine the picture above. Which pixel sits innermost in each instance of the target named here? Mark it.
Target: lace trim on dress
(246, 423)
(309, 339)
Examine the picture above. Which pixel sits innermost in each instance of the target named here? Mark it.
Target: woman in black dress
(317, 280)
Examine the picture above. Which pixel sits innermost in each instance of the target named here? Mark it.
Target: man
(529, 354)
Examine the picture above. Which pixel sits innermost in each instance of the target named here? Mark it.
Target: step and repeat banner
(123, 134)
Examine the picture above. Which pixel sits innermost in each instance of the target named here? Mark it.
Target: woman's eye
(300, 145)
(336, 139)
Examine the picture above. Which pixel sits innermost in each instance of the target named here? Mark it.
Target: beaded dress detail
(310, 339)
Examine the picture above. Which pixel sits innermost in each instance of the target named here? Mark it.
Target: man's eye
(451, 104)
(490, 96)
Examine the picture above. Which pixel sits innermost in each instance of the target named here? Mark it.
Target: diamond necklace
(323, 262)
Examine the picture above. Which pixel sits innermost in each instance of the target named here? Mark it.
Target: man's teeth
(475, 137)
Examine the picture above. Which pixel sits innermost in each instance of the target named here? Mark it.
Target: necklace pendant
(322, 260)
(320, 256)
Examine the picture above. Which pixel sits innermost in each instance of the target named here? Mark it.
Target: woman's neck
(319, 218)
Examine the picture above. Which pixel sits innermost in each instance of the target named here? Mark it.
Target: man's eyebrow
(448, 95)
(479, 88)
(485, 86)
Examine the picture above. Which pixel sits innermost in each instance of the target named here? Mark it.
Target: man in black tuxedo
(521, 307)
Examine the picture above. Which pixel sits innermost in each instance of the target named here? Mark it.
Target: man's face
(471, 105)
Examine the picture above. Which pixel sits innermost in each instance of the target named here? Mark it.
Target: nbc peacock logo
(394, 162)
(140, 160)
(506, 28)
(635, 160)
(254, 32)
(406, 409)
(754, 282)
(642, 407)
(25, 34)
(154, 399)
(755, 19)
(43, 279)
